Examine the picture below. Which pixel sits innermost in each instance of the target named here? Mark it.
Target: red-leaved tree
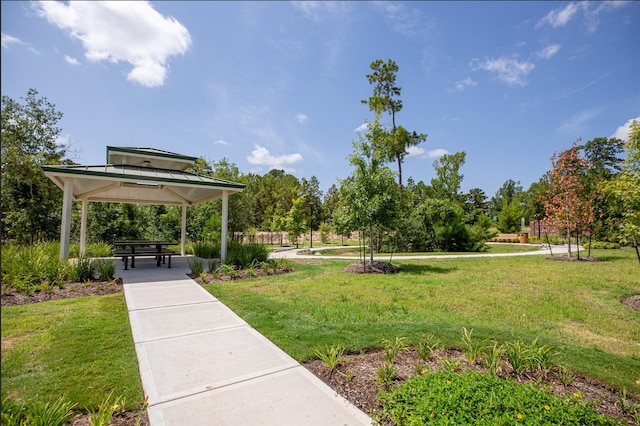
(569, 202)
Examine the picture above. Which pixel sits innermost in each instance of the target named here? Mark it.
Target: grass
(574, 306)
(81, 348)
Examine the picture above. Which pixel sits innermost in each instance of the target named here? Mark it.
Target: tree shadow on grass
(414, 269)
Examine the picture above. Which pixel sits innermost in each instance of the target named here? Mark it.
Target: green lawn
(82, 348)
(491, 249)
(573, 305)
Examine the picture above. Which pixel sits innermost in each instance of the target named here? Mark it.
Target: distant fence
(537, 228)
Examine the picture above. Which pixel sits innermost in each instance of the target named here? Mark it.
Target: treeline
(394, 216)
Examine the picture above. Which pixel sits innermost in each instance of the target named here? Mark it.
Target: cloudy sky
(279, 84)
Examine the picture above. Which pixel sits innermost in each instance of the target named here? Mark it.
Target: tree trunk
(399, 170)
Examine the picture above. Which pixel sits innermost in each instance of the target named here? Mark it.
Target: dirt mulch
(375, 268)
(574, 258)
(10, 297)
(355, 379)
(632, 301)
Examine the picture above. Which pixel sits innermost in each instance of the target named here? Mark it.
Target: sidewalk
(201, 364)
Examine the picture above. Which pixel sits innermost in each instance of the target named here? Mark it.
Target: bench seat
(160, 256)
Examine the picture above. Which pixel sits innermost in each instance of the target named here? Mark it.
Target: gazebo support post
(83, 227)
(224, 230)
(65, 229)
(183, 230)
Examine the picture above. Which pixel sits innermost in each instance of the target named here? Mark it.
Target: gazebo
(138, 176)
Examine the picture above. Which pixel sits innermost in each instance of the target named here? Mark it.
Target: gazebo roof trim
(137, 173)
(148, 157)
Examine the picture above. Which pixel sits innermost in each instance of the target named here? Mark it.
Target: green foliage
(473, 398)
(105, 269)
(105, 410)
(37, 413)
(82, 269)
(386, 374)
(425, 347)
(243, 255)
(509, 218)
(30, 201)
(393, 347)
(195, 265)
(207, 249)
(473, 348)
(26, 268)
(493, 357)
(330, 355)
(602, 245)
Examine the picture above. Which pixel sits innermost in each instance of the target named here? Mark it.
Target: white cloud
(302, 118)
(260, 156)
(415, 151)
(318, 10)
(575, 124)
(132, 32)
(510, 70)
(8, 40)
(437, 153)
(221, 142)
(622, 132)
(361, 128)
(71, 61)
(559, 17)
(463, 84)
(549, 51)
(591, 13)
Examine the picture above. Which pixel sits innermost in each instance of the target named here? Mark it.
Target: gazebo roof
(141, 175)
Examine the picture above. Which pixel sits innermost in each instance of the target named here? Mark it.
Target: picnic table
(138, 248)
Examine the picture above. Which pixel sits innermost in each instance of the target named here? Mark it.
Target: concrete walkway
(201, 364)
(536, 249)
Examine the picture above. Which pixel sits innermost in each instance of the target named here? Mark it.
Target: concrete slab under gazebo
(138, 176)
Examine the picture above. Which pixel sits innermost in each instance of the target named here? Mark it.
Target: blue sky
(279, 84)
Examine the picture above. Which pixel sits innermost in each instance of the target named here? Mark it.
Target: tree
(394, 144)
(310, 189)
(625, 187)
(509, 217)
(569, 201)
(446, 184)
(295, 221)
(506, 193)
(369, 193)
(30, 201)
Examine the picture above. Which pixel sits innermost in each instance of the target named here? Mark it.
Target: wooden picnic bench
(142, 248)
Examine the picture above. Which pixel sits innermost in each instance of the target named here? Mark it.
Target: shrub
(470, 397)
(82, 269)
(206, 250)
(243, 255)
(105, 268)
(195, 265)
(602, 245)
(37, 413)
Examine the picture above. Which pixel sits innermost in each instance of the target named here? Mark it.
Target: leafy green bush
(472, 398)
(105, 268)
(37, 413)
(82, 269)
(604, 245)
(26, 268)
(243, 255)
(195, 265)
(206, 250)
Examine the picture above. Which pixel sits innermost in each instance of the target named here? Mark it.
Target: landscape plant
(471, 398)
(330, 355)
